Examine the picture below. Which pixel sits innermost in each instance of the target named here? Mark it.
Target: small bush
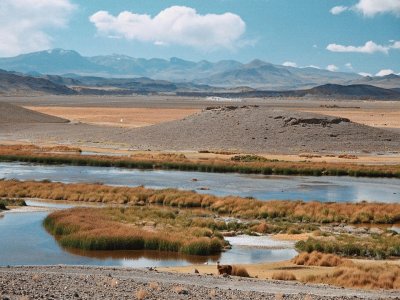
(239, 271)
(287, 276)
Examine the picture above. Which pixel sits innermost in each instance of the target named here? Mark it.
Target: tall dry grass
(290, 211)
(370, 276)
(317, 259)
(283, 275)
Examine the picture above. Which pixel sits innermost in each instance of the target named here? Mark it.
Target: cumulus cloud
(176, 25)
(365, 74)
(369, 47)
(332, 68)
(370, 8)
(24, 24)
(384, 72)
(290, 64)
(349, 66)
(338, 10)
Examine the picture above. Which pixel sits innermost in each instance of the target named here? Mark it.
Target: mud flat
(55, 282)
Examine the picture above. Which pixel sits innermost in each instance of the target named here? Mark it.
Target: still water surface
(307, 188)
(24, 241)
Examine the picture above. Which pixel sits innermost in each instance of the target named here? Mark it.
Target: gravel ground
(62, 282)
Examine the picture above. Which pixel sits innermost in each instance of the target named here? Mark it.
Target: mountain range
(18, 84)
(226, 73)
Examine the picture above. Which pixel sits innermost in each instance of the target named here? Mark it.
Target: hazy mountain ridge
(225, 73)
(17, 84)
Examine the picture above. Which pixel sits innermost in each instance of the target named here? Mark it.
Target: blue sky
(277, 31)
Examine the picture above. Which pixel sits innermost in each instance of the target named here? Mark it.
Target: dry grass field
(378, 117)
(110, 116)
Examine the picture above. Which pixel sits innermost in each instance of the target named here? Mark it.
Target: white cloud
(395, 45)
(365, 74)
(332, 68)
(369, 47)
(290, 64)
(176, 25)
(349, 66)
(338, 10)
(384, 72)
(371, 8)
(24, 24)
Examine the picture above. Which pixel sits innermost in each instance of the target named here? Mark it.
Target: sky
(361, 36)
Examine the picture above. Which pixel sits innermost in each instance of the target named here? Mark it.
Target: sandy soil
(121, 117)
(63, 282)
(377, 117)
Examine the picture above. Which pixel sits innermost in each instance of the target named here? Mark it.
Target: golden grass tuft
(141, 294)
(317, 259)
(287, 276)
(154, 286)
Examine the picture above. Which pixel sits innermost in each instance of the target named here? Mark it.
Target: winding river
(24, 241)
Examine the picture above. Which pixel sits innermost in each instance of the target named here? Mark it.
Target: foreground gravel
(68, 282)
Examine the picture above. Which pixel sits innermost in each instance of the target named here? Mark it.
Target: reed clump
(132, 228)
(366, 276)
(289, 211)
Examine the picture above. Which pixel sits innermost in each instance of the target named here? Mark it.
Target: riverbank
(231, 163)
(55, 282)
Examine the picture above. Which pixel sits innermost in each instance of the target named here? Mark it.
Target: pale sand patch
(291, 237)
(261, 271)
(382, 118)
(121, 117)
(265, 270)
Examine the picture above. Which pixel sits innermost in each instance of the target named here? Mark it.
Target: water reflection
(339, 189)
(24, 241)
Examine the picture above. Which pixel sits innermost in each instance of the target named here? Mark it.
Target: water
(307, 188)
(24, 241)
